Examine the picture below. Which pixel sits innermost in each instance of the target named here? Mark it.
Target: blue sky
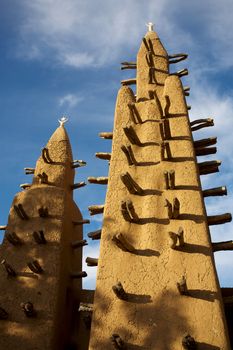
(63, 58)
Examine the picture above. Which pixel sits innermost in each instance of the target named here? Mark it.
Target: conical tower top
(54, 166)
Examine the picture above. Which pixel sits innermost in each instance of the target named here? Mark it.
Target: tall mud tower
(157, 286)
(41, 269)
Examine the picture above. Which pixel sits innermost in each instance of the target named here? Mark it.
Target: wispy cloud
(69, 100)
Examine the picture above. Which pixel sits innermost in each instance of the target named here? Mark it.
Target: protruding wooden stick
(128, 65)
(96, 209)
(3, 227)
(135, 116)
(131, 210)
(13, 238)
(91, 261)
(146, 44)
(3, 314)
(80, 274)
(103, 155)
(132, 136)
(117, 342)
(172, 179)
(9, 269)
(201, 123)
(29, 171)
(181, 73)
(98, 180)
(45, 156)
(177, 239)
(167, 130)
(209, 167)
(130, 184)
(177, 57)
(189, 343)
(78, 244)
(119, 291)
(94, 235)
(21, 212)
(81, 222)
(205, 151)
(205, 142)
(35, 267)
(173, 239)
(167, 106)
(227, 245)
(85, 307)
(128, 211)
(77, 163)
(120, 240)
(168, 150)
(106, 135)
(161, 130)
(78, 185)
(43, 178)
(182, 286)
(217, 191)
(25, 186)
(39, 237)
(132, 81)
(129, 155)
(176, 208)
(186, 90)
(168, 205)
(166, 180)
(219, 219)
(28, 309)
(43, 212)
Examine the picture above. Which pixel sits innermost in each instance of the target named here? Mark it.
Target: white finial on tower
(63, 120)
(150, 26)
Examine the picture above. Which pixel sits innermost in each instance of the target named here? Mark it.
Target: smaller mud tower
(41, 266)
(157, 286)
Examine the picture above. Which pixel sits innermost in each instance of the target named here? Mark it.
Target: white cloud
(69, 101)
